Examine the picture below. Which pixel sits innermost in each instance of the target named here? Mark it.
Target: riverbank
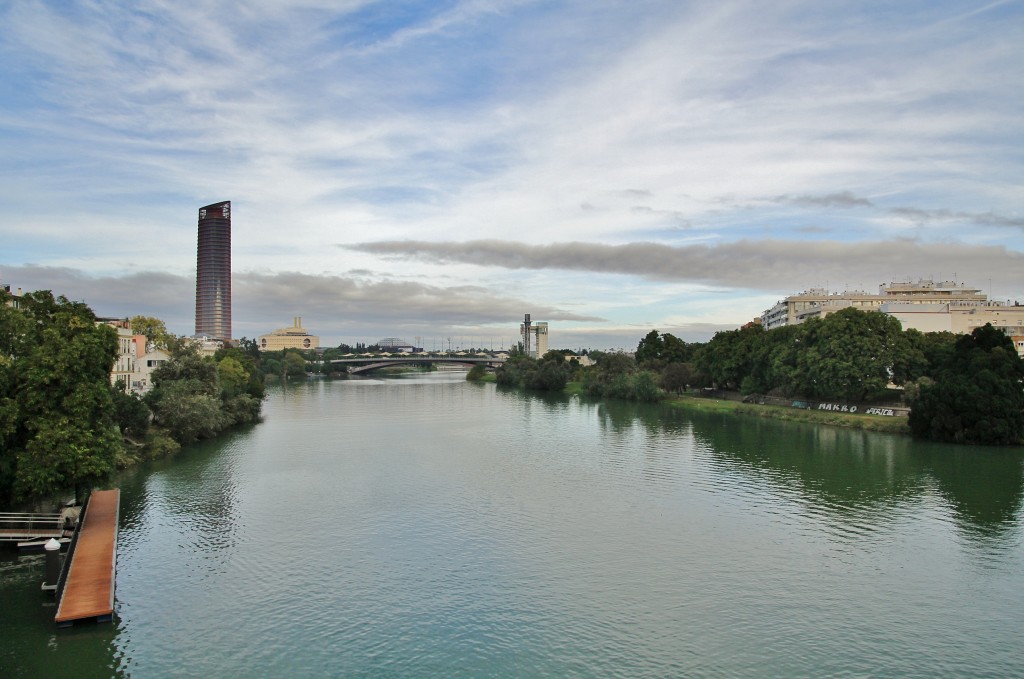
(880, 423)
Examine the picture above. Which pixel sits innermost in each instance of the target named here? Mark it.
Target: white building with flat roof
(926, 306)
(819, 302)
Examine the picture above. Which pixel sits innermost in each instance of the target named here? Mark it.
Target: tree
(130, 412)
(849, 355)
(155, 331)
(732, 355)
(676, 377)
(232, 376)
(675, 350)
(186, 413)
(294, 364)
(64, 435)
(650, 348)
(977, 396)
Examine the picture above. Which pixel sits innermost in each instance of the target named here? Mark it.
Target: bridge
(363, 364)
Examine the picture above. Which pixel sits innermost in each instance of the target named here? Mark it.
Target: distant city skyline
(440, 169)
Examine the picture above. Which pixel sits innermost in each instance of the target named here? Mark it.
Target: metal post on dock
(52, 549)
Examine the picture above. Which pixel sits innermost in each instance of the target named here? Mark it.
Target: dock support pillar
(52, 549)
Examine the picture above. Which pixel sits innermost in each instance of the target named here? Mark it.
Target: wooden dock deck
(89, 590)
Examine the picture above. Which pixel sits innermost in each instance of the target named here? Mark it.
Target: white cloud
(681, 124)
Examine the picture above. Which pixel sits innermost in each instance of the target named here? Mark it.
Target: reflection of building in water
(294, 337)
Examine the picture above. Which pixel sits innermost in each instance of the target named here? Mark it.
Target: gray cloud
(977, 218)
(330, 305)
(768, 265)
(843, 199)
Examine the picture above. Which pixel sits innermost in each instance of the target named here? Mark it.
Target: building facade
(295, 337)
(124, 365)
(535, 337)
(818, 302)
(926, 306)
(213, 272)
(14, 301)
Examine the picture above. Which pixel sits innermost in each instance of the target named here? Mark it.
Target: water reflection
(984, 486)
(843, 470)
(32, 645)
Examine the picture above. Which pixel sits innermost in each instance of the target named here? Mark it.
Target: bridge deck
(89, 591)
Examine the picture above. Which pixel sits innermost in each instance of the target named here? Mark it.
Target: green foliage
(196, 398)
(187, 412)
(57, 425)
(294, 364)
(232, 376)
(977, 396)
(155, 331)
(732, 355)
(130, 413)
(286, 363)
(848, 354)
(550, 373)
(677, 376)
(658, 351)
(616, 375)
(650, 347)
(476, 373)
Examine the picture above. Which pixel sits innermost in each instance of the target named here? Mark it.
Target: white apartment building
(142, 378)
(124, 364)
(927, 306)
(819, 302)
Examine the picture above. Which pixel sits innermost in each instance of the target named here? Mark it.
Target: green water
(430, 527)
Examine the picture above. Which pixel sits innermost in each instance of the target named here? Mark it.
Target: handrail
(13, 516)
(69, 556)
(17, 526)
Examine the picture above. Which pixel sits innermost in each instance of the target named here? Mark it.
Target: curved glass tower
(213, 272)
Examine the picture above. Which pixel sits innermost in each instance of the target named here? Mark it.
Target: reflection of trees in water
(846, 470)
(551, 401)
(197, 488)
(648, 434)
(984, 485)
(32, 647)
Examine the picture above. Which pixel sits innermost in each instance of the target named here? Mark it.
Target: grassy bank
(893, 425)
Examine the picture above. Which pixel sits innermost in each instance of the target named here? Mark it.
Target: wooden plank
(89, 592)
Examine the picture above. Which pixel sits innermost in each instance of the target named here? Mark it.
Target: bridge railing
(16, 526)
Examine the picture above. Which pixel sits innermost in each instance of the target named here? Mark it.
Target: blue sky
(438, 169)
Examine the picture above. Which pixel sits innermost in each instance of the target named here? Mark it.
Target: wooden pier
(88, 591)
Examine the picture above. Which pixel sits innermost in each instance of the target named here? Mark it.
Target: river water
(429, 527)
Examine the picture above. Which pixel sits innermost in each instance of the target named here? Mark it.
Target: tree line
(960, 388)
(64, 427)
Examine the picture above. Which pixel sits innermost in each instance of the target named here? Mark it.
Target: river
(429, 527)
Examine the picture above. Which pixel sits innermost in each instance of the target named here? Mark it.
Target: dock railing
(69, 556)
(17, 527)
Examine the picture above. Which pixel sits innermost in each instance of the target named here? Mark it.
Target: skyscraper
(213, 272)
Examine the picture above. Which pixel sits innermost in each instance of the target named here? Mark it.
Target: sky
(437, 169)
